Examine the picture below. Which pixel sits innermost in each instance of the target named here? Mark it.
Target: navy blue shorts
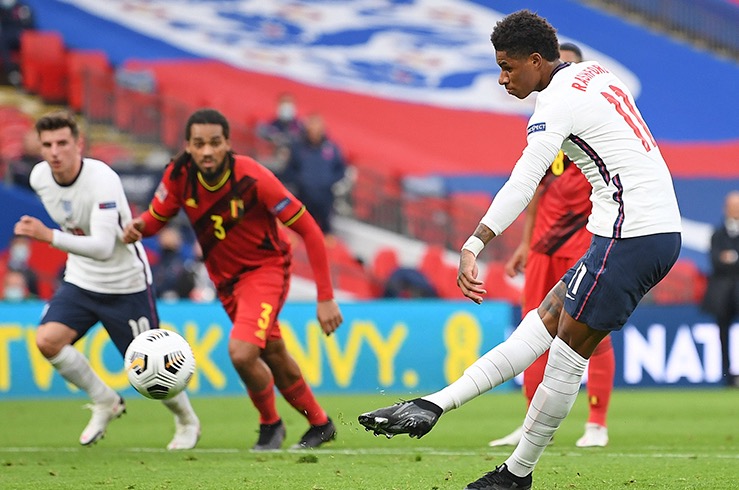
(607, 283)
(123, 315)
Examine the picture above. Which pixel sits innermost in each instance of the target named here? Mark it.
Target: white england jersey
(91, 212)
(590, 114)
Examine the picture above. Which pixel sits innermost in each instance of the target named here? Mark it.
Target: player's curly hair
(523, 33)
(184, 160)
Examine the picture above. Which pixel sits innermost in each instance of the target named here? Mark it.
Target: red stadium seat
(427, 219)
(384, 263)
(81, 66)
(442, 275)
(354, 281)
(499, 286)
(43, 64)
(684, 284)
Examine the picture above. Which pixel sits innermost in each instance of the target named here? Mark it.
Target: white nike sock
(549, 407)
(73, 367)
(180, 406)
(508, 359)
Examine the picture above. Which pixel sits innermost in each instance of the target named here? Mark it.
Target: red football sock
(300, 396)
(601, 370)
(264, 401)
(533, 375)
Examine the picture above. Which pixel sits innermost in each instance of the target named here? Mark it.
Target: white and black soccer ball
(159, 363)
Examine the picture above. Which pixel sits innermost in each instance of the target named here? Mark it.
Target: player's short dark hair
(574, 48)
(207, 116)
(58, 120)
(523, 33)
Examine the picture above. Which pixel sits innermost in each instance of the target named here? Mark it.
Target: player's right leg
(260, 386)
(508, 359)
(252, 304)
(65, 321)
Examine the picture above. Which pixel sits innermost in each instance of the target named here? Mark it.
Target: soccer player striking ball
(554, 238)
(589, 113)
(234, 205)
(105, 279)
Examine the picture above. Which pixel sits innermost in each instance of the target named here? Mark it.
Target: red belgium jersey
(235, 220)
(562, 212)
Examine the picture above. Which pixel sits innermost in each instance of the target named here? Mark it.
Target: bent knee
(52, 337)
(243, 354)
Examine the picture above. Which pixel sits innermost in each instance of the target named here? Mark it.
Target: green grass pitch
(666, 439)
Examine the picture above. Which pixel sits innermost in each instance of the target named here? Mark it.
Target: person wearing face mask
(315, 166)
(281, 132)
(15, 287)
(172, 278)
(722, 294)
(17, 259)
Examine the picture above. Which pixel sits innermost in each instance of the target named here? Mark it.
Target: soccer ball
(159, 363)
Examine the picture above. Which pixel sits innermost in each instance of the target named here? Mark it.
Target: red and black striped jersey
(562, 211)
(236, 220)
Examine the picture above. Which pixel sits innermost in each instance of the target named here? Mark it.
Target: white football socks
(549, 407)
(508, 359)
(180, 406)
(73, 367)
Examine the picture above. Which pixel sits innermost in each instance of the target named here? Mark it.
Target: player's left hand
(132, 232)
(329, 316)
(33, 228)
(467, 279)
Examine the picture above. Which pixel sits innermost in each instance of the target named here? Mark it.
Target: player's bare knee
(51, 337)
(242, 354)
(49, 342)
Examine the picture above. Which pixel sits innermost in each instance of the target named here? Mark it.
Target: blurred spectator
(407, 283)
(15, 17)
(722, 294)
(281, 132)
(20, 169)
(15, 287)
(172, 278)
(315, 166)
(17, 260)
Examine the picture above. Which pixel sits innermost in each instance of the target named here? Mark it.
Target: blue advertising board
(404, 347)
(393, 346)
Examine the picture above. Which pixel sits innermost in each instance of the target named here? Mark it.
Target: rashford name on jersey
(585, 76)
